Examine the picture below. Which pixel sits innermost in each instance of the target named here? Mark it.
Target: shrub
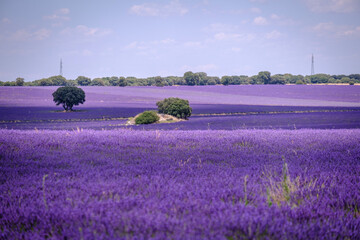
(299, 82)
(351, 83)
(147, 117)
(176, 107)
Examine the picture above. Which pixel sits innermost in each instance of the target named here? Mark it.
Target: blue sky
(169, 37)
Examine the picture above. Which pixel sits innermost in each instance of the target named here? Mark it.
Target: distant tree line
(191, 79)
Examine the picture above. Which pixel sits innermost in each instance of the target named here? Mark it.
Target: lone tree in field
(176, 107)
(68, 97)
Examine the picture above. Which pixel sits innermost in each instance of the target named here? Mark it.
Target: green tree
(299, 82)
(19, 81)
(203, 78)
(58, 80)
(277, 79)
(191, 79)
(122, 82)
(345, 80)
(159, 82)
(114, 81)
(68, 97)
(226, 80)
(147, 117)
(355, 77)
(45, 82)
(83, 81)
(321, 78)
(9, 83)
(176, 107)
(97, 82)
(264, 77)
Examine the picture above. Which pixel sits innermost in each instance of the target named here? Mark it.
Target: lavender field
(252, 162)
(123, 184)
(214, 107)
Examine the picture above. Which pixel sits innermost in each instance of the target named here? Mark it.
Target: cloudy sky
(144, 38)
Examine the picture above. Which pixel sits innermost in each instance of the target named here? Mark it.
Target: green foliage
(264, 77)
(45, 82)
(97, 82)
(277, 79)
(351, 83)
(159, 81)
(176, 107)
(191, 78)
(226, 80)
(19, 81)
(122, 82)
(320, 78)
(57, 80)
(83, 81)
(299, 82)
(68, 97)
(9, 84)
(114, 81)
(147, 117)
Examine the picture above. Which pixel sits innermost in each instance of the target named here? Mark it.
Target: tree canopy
(68, 97)
(191, 79)
(176, 107)
(19, 81)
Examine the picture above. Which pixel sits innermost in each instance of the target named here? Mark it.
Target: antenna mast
(312, 65)
(60, 67)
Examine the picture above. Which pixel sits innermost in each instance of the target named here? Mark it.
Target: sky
(143, 38)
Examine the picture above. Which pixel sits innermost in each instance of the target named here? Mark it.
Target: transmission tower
(60, 67)
(312, 65)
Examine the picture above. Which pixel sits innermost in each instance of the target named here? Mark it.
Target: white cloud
(219, 27)
(86, 31)
(340, 6)
(260, 21)
(193, 44)
(25, 35)
(274, 16)
(154, 10)
(331, 29)
(233, 36)
(274, 35)
(64, 11)
(149, 46)
(86, 52)
(165, 41)
(5, 20)
(255, 10)
(131, 45)
(60, 14)
(282, 21)
(236, 49)
(41, 34)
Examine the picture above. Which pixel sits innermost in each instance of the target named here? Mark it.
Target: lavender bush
(123, 184)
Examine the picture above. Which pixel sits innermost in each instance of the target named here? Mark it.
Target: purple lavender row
(312, 120)
(83, 113)
(125, 184)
